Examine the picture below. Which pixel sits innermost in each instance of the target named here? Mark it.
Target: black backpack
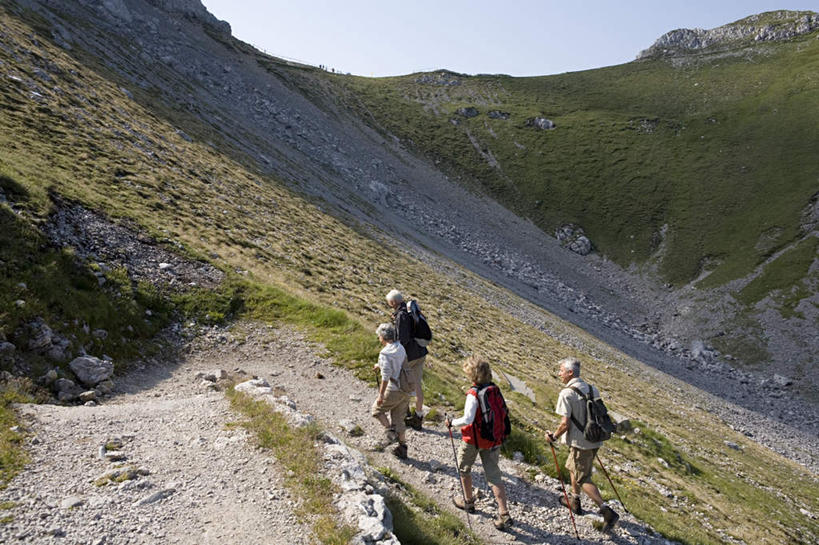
(494, 426)
(420, 328)
(599, 426)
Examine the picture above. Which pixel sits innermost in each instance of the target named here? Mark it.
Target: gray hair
(571, 364)
(395, 295)
(386, 332)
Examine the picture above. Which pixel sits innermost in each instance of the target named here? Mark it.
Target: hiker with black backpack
(484, 427)
(416, 354)
(393, 396)
(584, 433)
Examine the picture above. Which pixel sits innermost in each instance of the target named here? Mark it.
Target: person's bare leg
(593, 492)
(419, 398)
(575, 486)
(466, 481)
(500, 496)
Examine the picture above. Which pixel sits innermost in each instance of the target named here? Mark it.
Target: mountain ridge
(176, 144)
(770, 26)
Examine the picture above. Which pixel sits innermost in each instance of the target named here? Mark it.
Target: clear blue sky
(520, 38)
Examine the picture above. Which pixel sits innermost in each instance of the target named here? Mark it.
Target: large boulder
(90, 370)
(66, 389)
(540, 123)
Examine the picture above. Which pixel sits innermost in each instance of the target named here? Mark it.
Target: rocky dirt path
(201, 481)
(204, 482)
(338, 400)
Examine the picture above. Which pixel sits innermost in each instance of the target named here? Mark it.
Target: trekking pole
(565, 495)
(458, 469)
(606, 473)
(377, 379)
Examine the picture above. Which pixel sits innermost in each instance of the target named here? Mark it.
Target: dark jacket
(403, 325)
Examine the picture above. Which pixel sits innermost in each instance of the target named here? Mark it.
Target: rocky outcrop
(118, 12)
(540, 123)
(469, 111)
(442, 78)
(192, 9)
(764, 27)
(573, 237)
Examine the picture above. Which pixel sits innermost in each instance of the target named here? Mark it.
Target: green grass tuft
(13, 456)
(418, 520)
(296, 451)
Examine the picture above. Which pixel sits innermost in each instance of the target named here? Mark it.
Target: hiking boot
(468, 506)
(414, 421)
(610, 517)
(400, 451)
(574, 504)
(503, 521)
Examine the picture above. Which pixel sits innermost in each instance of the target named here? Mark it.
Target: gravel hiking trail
(196, 479)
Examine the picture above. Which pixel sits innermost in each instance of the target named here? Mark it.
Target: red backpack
(491, 426)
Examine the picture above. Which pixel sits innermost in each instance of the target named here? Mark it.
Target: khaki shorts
(396, 404)
(579, 463)
(489, 458)
(415, 369)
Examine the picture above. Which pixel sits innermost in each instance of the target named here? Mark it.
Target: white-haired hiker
(416, 354)
(581, 450)
(391, 400)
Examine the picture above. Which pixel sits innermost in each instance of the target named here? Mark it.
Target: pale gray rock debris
(91, 370)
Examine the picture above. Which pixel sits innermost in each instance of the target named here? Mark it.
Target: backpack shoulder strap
(581, 394)
(481, 389)
(585, 398)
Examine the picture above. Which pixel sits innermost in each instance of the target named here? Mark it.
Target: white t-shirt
(390, 360)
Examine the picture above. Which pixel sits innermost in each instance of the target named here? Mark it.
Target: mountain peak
(772, 26)
(121, 12)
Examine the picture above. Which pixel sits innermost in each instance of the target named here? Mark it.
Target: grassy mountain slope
(716, 149)
(71, 131)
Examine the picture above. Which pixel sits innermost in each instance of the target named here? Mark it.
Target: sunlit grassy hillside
(72, 131)
(714, 156)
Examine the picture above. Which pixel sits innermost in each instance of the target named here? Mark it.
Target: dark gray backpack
(598, 426)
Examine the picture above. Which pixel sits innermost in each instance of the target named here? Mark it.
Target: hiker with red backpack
(584, 434)
(484, 427)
